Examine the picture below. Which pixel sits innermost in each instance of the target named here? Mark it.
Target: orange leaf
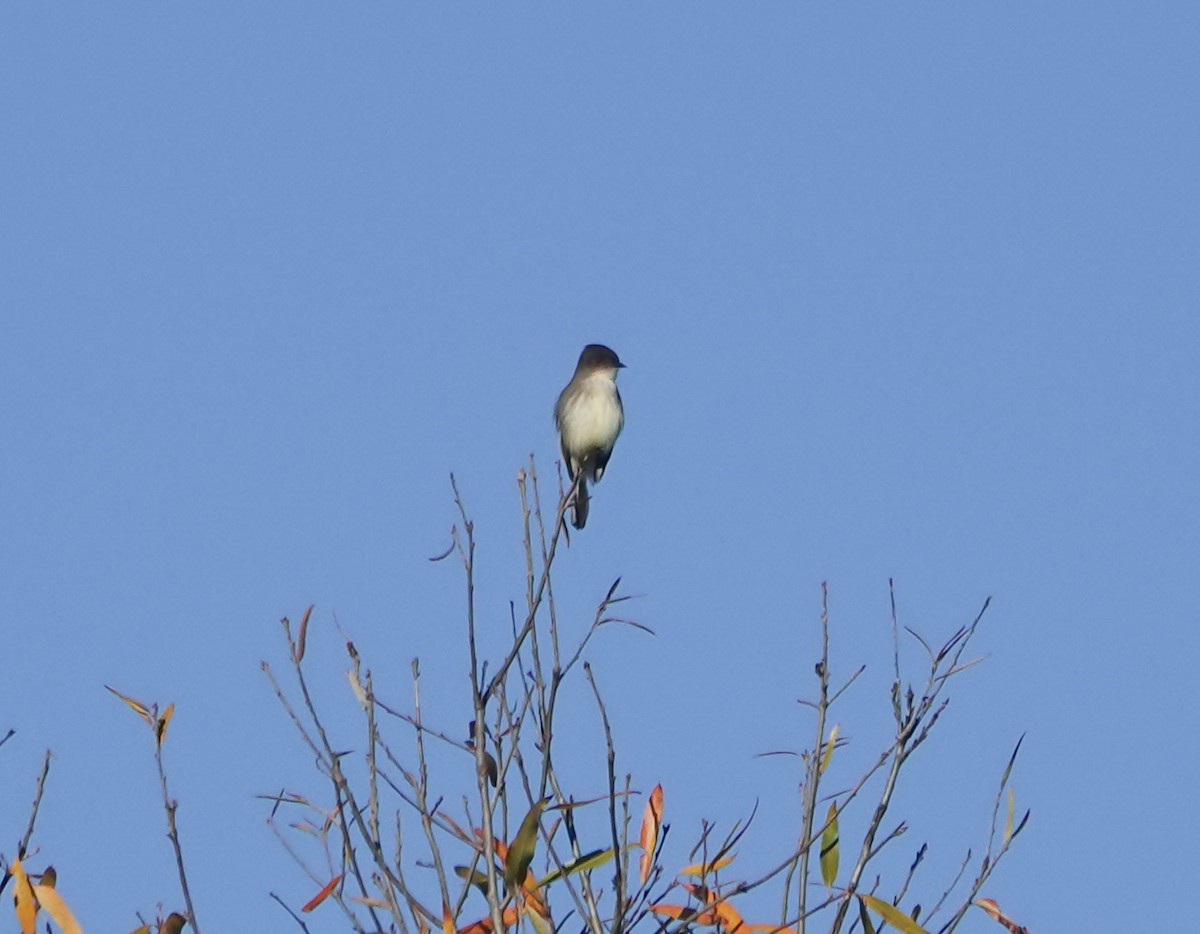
(323, 894)
(23, 898)
(447, 920)
(52, 903)
(136, 706)
(160, 728)
(538, 914)
(651, 821)
(730, 920)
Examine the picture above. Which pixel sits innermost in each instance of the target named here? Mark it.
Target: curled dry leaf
(651, 822)
(302, 635)
(992, 908)
(173, 925)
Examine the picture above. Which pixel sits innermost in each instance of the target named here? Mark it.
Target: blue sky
(904, 291)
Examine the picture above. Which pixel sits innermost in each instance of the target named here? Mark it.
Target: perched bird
(589, 416)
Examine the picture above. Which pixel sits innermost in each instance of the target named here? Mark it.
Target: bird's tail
(579, 509)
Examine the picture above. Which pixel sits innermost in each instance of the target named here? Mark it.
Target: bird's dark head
(598, 357)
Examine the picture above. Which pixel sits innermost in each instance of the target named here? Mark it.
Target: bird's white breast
(592, 418)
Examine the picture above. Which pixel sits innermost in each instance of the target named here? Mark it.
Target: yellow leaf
(136, 706)
(160, 728)
(829, 846)
(144, 929)
(323, 894)
(829, 744)
(1008, 821)
(520, 852)
(585, 863)
(651, 822)
(52, 903)
(447, 920)
(703, 869)
(23, 898)
(892, 915)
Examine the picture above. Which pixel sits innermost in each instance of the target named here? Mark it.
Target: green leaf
(829, 846)
(892, 915)
(520, 851)
(586, 862)
(476, 878)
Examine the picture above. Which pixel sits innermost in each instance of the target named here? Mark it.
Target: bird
(589, 417)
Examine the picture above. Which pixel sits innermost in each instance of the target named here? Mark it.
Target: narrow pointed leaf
(703, 869)
(651, 822)
(447, 920)
(829, 846)
(892, 915)
(585, 863)
(52, 903)
(1008, 821)
(135, 705)
(473, 876)
(867, 926)
(829, 744)
(323, 894)
(173, 925)
(520, 852)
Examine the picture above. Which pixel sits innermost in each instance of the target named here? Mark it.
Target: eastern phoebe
(589, 416)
